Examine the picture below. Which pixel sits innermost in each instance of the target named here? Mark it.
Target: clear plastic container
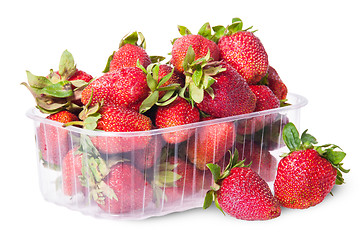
(136, 175)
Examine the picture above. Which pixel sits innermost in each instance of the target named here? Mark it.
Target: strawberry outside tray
(136, 175)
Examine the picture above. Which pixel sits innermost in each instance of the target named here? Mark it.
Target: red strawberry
(210, 143)
(244, 51)
(265, 98)
(53, 140)
(118, 119)
(147, 157)
(261, 160)
(129, 53)
(241, 193)
(276, 84)
(231, 95)
(127, 190)
(179, 112)
(126, 87)
(307, 174)
(200, 45)
(127, 56)
(177, 180)
(71, 170)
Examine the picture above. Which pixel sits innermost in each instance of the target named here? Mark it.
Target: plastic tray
(158, 177)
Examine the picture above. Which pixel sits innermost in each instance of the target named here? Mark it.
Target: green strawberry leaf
(219, 31)
(166, 102)
(66, 65)
(291, 137)
(165, 78)
(151, 82)
(236, 20)
(189, 57)
(37, 81)
(205, 30)
(156, 59)
(62, 89)
(308, 138)
(196, 93)
(129, 39)
(218, 206)
(215, 170)
(208, 199)
(107, 67)
(335, 157)
(183, 30)
(197, 76)
(149, 102)
(91, 122)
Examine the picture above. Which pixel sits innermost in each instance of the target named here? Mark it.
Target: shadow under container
(136, 175)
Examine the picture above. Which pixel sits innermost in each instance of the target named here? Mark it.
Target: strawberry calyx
(165, 178)
(236, 26)
(294, 143)
(156, 86)
(94, 170)
(199, 76)
(218, 176)
(55, 93)
(89, 115)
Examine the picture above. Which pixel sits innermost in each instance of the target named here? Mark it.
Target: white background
(314, 45)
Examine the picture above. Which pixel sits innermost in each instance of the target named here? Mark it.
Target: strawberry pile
(218, 72)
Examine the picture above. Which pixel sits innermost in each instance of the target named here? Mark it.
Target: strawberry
(231, 95)
(275, 83)
(116, 119)
(261, 160)
(308, 173)
(210, 143)
(200, 44)
(53, 140)
(126, 87)
(265, 98)
(270, 137)
(129, 53)
(126, 190)
(177, 113)
(111, 118)
(175, 179)
(147, 157)
(241, 193)
(60, 90)
(243, 51)
(71, 170)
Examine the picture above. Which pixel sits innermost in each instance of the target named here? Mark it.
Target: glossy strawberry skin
(119, 119)
(200, 45)
(53, 141)
(276, 84)
(130, 187)
(245, 195)
(127, 56)
(177, 113)
(265, 98)
(303, 179)
(126, 87)
(245, 52)
(232, 95)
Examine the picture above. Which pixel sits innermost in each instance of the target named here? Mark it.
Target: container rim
(297, 101)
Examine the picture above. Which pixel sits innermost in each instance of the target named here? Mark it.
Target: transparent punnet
(136, 175)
